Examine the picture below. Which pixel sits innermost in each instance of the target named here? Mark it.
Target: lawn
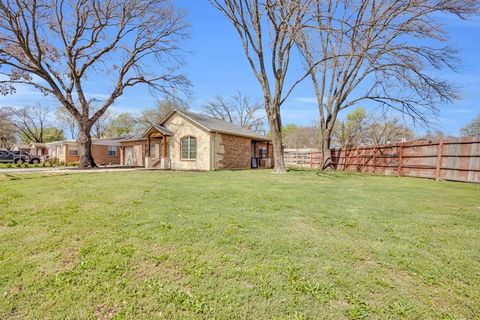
(238, 245)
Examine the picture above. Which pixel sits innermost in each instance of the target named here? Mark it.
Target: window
(72, 150)
(112, 151)
(189, 148)
(262, 152)
(153, 150)
(60, 151)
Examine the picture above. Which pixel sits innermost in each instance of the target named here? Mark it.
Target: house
(21, 147)
(104, 151)
(185, 140)
(38, 148)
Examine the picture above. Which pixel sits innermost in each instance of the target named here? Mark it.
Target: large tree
(472, 128)
(240, 109)
(57, 46)
(268, 30)
(382, 51)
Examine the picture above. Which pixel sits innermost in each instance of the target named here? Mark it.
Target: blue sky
(216, 65)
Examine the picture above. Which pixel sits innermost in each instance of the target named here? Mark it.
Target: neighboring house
(185, 140)
(21, 147)
(38, 148)
(104, 151)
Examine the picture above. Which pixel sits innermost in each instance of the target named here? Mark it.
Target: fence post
(438, 170)
(311, 159)
(358, 160)
(400, 158)
(374, 152)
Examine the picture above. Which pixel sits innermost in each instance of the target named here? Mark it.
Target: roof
(109, 142)
(164, 131)
(38, 144)
(216, 125)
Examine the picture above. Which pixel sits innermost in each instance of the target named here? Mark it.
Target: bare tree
(350, 133)
(123, 125)
(369, 129)
(8, 132)
(268, 30)
(300, 137)
(382, 51)
(472, 128)
(240, 109)
(56, 45)
(100, 127)
(31, 122)
(385, 130)
(155, 115)
(67, 121)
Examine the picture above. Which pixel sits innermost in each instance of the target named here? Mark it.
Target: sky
(216, 65)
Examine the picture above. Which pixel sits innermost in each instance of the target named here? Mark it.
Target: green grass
(237, 245)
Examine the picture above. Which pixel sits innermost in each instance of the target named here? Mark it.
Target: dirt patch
(104, 312)
(69, 260)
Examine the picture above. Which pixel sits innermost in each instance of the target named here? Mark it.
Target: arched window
(189, 148)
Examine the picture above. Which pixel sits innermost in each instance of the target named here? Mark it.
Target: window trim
(189, 148)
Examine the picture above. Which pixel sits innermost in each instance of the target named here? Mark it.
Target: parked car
(10, 157)
(31, 158)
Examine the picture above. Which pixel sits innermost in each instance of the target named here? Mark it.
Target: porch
(262, 155)
(149, 151)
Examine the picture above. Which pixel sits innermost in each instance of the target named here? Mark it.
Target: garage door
(129, 157)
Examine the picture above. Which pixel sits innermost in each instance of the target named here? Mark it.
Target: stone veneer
(182, 127)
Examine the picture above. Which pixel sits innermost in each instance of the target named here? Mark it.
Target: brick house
(104, 151)
(185, 140)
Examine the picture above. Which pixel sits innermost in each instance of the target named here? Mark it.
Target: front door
(129, 156)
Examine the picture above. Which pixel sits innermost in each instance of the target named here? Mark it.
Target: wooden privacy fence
(456, 160)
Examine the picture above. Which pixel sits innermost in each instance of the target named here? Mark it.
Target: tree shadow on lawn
(331, 174)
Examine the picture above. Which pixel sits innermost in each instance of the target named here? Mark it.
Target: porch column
(148, 146)
(164, 145)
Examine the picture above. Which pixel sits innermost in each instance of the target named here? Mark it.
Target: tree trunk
(326, 150)
(276, 131)
(85, 149)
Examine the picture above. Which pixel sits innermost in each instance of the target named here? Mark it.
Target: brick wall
(100, 155)
(234, 152)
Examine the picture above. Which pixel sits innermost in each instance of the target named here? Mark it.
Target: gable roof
(164, 131)
(216, 125)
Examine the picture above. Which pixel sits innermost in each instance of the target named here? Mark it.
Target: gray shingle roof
(221, 126)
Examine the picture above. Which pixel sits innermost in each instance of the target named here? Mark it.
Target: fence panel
(457, 160)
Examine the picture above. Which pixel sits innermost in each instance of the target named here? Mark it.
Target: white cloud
(309, 100)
